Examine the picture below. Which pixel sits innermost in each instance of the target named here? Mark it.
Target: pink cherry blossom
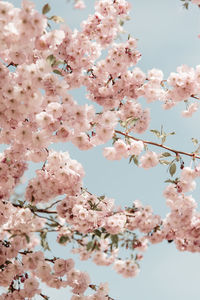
(149, 160)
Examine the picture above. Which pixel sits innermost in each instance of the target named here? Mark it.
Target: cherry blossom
(39, 67)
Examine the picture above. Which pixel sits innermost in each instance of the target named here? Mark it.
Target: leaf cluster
(162, 134)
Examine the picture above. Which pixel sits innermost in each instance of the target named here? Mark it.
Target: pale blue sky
(167, 38)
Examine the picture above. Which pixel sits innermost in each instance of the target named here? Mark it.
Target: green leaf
(115, 138)
(169, 181)
(97, 232)
(164, 162)
(195, 141)
(57, 19)
(63, 239)
(156, 132)
(101, 197)
(166, 154)
(93, 287)
(163, 139)
(27, 238)
(21, 203)
(135, 159)
(131, 121)
(12, 236)
(51, 59)
(122, 123)
(172, 169)
(32, 207)
(114, 239)
(89, 246)
(49, 25)
(131, 158)
(43, 241)
(57, 72)
(95, 246)
(107, 235)
(46, 8)
(175, 181)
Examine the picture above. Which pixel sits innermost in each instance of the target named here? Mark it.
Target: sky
(167, 37)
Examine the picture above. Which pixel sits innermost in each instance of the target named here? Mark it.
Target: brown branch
(46, 211)
(43, 217)
(177, 152)
(44, 296)
(54, 203)
(195, 97)
(39, 210)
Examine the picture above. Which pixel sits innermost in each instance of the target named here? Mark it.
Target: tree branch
(177, 152)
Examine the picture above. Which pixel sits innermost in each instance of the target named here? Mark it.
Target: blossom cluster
(38, 70)
(60, 175)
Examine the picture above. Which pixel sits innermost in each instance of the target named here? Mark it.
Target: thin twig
(44, 296)
(39, 210)
(53, 204)
(195, 97)
(193, 155)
